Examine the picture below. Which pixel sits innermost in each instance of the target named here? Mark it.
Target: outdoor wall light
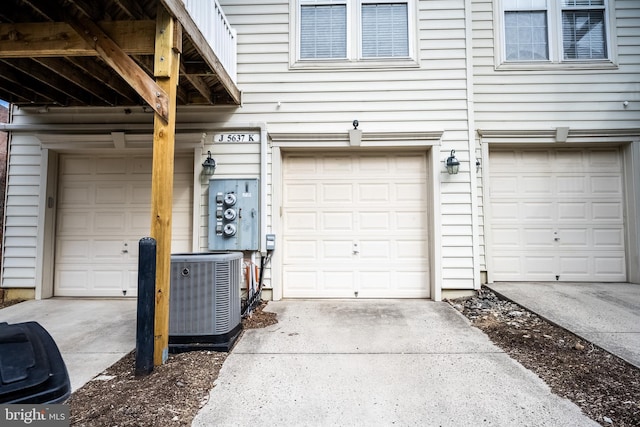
(209, 165)
(453, 165)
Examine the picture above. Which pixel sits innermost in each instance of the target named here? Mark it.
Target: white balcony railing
(213, 24)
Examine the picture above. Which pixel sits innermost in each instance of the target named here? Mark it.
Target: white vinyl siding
(429, 94)
(21, 213)
(532, 98)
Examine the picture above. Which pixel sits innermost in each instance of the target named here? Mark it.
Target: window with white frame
(555, 30)
(354, 29)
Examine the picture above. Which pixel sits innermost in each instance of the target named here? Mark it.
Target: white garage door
(557, 214)
(355, 225)
(104, 208)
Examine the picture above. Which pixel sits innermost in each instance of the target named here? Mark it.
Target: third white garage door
(355, 225)
(557, 215)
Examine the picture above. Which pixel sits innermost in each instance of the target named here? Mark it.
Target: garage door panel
(373, 193)
(110, 194)
(612, 238)
(573, 211)
(506, 211)
(374, 250)
(606, 211)
(109, 221)
(572, 186)
(536, 211)
(573, 238)
(111, 166)
(609, 266)
(337, 250)
(73, 250)
(409, 222)
(536, 237)
(302, 221)
(75, 223)
(503, 186)
(575, 265)
(336, 194)
(360, 221)
(103, 210)
(106, 277)
(571, 208)
(374, 221)
(140, 194)
(339, 221)
(606, 185)
(536, 185)
(413, 250)
(300, 250)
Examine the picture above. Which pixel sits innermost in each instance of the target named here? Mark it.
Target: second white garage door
(104, 208)
(557, 215)
(355, 225)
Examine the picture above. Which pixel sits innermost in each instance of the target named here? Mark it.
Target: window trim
(554, 34)
(354, 57)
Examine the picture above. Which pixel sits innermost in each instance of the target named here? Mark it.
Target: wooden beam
(106, 77)
(162, 178)
(76, 77)
(203, 89)
(53, 80)
(126, 67)
(29, 87)
(178, 9)
(59, 39)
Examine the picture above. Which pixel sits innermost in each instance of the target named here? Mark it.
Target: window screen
(323, 31)
(526, 36)
(385, 30)
(583, 29)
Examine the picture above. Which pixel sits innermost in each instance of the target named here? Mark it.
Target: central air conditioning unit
(204, 303)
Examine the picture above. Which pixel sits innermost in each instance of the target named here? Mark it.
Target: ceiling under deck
(45, 62)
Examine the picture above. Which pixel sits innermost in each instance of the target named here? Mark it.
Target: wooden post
(166, 69)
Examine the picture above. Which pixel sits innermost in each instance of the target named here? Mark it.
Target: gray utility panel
(234, 221)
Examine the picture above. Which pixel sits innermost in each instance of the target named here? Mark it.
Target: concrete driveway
(606, 314)
(91, 334)
(377, 362)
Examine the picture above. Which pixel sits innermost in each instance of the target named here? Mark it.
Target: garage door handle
(124, 251)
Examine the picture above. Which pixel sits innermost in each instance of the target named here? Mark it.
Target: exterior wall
(428, 97)
(4, 118)
(589, 98)
(525, 104)
(21, 216)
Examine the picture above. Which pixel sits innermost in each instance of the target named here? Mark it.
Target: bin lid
(31, 367)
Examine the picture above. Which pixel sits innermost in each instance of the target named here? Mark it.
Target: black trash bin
(31, 367)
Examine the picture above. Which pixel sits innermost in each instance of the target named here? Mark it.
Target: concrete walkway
(377, 362)
(606, 314)
(91, 334)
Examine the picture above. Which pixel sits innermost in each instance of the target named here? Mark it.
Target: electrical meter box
(234, 222)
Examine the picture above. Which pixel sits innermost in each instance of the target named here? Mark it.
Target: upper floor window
(352, 30)
(555, 30)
